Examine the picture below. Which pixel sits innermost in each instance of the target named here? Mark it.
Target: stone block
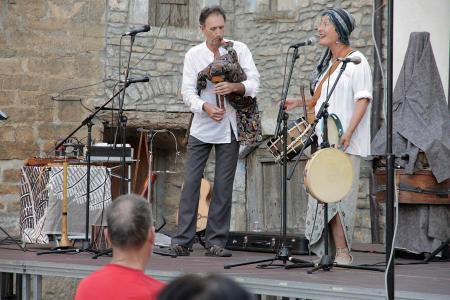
(10, 82)
(18, 150)
(14, 206)
(26, 114)
(118, 5)
(10, 222)
(29, 98)
(7, 134)
(11, 176)
(31, 83)
(55, 288)
(163, 44)
(10, 66)
(7, 53)
(24, 133)
(117, 17)
(6, 189)
(363, 203)
(69, 111)
(164, 67)
(8, 98)
(52, 131)
(363, 191)
(362, 235)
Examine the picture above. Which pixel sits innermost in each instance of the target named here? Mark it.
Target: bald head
(129, 219)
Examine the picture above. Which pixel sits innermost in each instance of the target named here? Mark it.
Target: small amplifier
(108, 153)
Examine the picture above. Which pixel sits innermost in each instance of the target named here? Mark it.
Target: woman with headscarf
(351, 102)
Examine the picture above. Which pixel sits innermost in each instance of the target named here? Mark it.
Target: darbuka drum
(299, 133)
(328, 175)
(99, 241)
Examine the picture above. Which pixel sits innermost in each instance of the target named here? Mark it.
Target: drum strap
(318, 91)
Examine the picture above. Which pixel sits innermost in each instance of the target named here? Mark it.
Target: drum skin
(328, 175)
(299, 133)
(335, 130)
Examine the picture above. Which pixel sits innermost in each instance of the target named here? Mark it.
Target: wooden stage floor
(416, 281)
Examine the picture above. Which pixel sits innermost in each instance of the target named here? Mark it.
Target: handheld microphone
(309, 42)
(137, 30)
(355, 59)
(139, 79)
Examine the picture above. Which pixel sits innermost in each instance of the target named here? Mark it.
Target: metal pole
(390, 158)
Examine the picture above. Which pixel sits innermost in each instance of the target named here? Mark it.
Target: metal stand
(284, 253)
(122, 120)
(390, 159)
(9, 237)
(86, 246)
(444, 244)
(326, 262)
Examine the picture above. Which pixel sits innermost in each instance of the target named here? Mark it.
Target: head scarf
(344, 24)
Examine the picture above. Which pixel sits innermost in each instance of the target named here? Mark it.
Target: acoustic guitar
(203, 204)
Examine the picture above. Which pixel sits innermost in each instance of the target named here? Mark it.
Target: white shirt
(203, 127)
(354, 84)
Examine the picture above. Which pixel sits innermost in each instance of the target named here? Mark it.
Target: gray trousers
(219, 214)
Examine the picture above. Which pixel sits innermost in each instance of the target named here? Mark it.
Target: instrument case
(266, 242)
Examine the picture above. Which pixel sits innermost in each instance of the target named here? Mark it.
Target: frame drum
(335, 130)
(328, 175)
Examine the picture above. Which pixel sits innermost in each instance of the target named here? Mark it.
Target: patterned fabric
(41, 198)
(33, 202)
(248, 119)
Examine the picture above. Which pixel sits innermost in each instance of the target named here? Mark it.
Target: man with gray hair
(131, 233)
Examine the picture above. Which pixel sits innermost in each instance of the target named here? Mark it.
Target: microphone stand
(326, 262)
(284, 253)
(122, 120)
(86, 246)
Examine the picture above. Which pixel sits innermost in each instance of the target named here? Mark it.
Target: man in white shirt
(211, 126)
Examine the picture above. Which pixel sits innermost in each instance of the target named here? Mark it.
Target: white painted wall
(423, 15)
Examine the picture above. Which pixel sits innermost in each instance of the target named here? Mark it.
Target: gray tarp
(421, 119)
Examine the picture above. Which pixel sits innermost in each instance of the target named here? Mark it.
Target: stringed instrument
(203, 204)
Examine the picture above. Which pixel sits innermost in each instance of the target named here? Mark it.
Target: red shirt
(118, 282)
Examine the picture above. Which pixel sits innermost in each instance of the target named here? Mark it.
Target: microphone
(3, 116)
(355, 59)
(137, 30)
(309, 42)
(138, 79)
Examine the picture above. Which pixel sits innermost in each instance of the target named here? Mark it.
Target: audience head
(211, 287)
(130, 223)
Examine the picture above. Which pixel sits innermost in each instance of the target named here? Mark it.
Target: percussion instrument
(99, 241)
(299, 133)
(335, 130)
(328, 175)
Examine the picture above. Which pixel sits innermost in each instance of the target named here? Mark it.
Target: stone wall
(47, 48)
